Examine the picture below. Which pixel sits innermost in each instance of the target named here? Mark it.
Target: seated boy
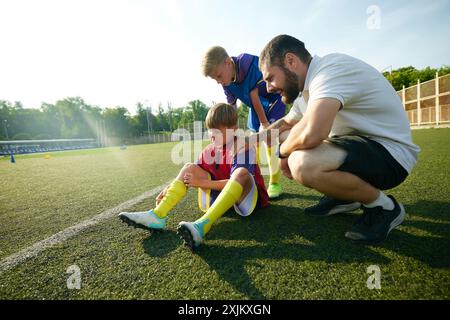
(224, 178)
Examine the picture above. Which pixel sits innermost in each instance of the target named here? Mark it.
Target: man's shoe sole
(338, 209)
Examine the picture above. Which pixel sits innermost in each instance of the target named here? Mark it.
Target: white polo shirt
(370, 105)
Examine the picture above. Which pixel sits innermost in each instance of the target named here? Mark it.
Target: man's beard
(292, 88)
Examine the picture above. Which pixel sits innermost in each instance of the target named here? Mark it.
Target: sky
(117, 52)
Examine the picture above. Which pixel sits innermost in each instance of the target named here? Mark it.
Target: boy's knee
(240, 174)
(189, 166)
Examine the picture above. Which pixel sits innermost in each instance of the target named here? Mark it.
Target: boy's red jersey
(220, 163)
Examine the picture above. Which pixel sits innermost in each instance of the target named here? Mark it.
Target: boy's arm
(213, 184)
(231, 99)
(256, 102)
(190, 180)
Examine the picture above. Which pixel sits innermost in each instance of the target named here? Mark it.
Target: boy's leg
(177, 189)
(204, 197)
(156, 218)
(247, 204)
(274, 190)
(236, 189)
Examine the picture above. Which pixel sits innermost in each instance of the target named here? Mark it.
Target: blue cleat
(191, 233)
(143, 220)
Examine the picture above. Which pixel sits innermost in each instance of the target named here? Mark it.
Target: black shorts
(370, 161)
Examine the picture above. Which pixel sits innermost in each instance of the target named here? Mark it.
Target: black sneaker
(376, 223)
(328, 206)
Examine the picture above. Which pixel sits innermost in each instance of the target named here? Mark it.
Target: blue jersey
(247, 78)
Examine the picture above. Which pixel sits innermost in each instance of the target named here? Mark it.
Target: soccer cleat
(328, 206)
(376, 223)
(143, 220)
(274, 190)
(191, 233)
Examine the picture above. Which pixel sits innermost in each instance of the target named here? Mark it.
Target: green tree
(116, 122)
(408, 76)
(199, 110)
(162, 123)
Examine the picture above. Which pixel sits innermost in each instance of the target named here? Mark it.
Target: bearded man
(348, 136)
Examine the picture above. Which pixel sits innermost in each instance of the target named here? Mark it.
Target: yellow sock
(274, 165)
(176, 191)
(227, 197)
(258, 157)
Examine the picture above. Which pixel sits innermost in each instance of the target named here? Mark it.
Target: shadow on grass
(272, 229)
(282, 232)
(161, 243)
(300, 196)
(431, 248)
(435, 210)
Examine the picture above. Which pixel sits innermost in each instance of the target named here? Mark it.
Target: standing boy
(241, 79)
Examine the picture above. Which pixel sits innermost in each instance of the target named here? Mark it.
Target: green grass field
(277, 253)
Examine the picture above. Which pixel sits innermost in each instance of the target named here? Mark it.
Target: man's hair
(221, 114)
(274, 52)
(212, 59)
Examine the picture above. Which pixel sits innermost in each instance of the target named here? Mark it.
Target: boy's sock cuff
(179, 186)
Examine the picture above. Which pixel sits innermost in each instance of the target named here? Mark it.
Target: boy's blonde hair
(221, 114)
(212, 59)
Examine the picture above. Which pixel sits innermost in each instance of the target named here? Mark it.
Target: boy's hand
(161, 195)
(191, 181)
(263, 126)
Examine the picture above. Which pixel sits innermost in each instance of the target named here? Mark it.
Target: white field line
(33, 250)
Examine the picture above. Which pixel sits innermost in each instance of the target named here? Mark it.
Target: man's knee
(304, 168)
(284, 167)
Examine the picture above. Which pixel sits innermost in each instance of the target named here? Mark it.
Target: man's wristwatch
(279, 155)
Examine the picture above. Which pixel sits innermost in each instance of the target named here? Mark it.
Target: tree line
(73, 118)
(408, 76)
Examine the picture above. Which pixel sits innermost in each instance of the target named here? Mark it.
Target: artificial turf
(276, 253)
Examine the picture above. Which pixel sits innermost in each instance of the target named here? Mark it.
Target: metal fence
(166, 136)
(34, 146)
(427, 103)
(146, 139)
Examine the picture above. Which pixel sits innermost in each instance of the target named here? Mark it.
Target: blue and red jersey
(247, 78)
(220, 164)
